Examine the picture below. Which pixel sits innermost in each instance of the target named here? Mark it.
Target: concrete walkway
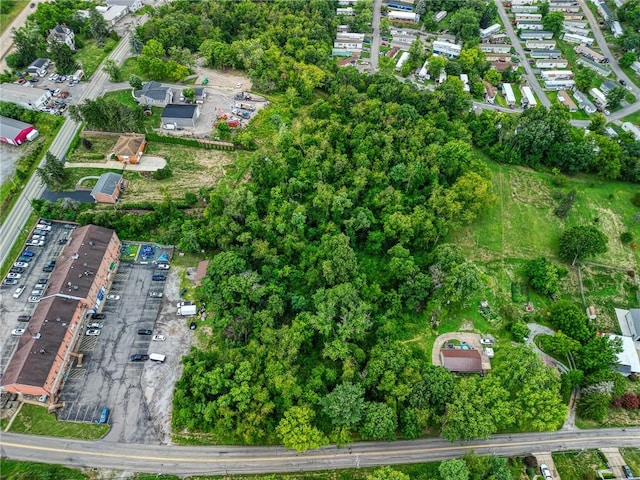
(545, 457)
(535, 330)
(148, 163)
(614, 460)
(79, 182)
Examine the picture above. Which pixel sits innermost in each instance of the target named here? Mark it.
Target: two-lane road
(221, 460)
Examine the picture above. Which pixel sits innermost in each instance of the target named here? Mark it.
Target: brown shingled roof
(462, 360)
(128, 145)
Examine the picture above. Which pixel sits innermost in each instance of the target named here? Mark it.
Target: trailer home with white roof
(507, 92)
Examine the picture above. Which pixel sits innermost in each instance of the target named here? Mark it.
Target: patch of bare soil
(526, 188)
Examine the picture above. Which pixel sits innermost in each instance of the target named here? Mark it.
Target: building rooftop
(9, 127)
(179, 111)
(128, 145)
(153, 90)
(462, 360)
(107, 183)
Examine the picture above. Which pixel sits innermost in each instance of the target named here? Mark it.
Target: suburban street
(515, 41)
(6, 39)
(171, 459)
(375, 39)
(17, 219)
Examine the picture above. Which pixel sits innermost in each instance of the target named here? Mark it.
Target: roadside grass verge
(632, 457)
(633, 118)
(7, 18)
(91, 55)
(17, 470)
(578, 465)
(34, 420)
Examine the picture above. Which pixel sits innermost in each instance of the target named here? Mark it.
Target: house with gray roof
(108, 188)
(154, 93)
(180, 115)
(629, 321)
(132, 5)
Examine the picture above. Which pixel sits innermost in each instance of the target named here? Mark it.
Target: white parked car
(95, 325)
(13, 275)
(93, 333)
(21, 264)
(159, 338)
(17, 332)
(113, 297)
(33, 299)
(486, 341)
(19, 291)
(545, 472)
(36, 293)
(163, 266)
(41, 226)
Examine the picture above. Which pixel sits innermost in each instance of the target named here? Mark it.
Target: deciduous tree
(577, 243)
(297, 431)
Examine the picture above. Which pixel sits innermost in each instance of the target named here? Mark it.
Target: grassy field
(35, 420)
(7, 18)
(15, 470)
(75, 174)
(101, 147)
(632, 457)
(91, 55)
(633, 118)
(578, 465)
(130, 67)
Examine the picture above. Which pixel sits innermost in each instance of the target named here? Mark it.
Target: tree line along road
(221, 460)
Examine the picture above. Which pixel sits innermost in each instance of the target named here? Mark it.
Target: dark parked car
(16, 270)
(98, 316)
(22, 258)
(159, 278)
(10, 281)
(193, 326)
(24, 318)
(47, 269)
(144, 331)
(62, 241)
(627, 471)
(139, 357)
(42, 280)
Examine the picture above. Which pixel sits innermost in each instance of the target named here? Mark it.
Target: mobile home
(591, 54)
(552, 63)
(580, 39)
(556, 74)
(559, 84)
(528, 99)
(487, 32)
(507, 92)
(541, 44)
(599, 97)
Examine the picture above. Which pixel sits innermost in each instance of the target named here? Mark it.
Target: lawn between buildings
(579, 465)
(35, 420)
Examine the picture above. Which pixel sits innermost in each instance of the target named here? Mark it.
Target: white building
(599, 97)
(583, 102)
(403, 16)
(495, 48)
(507, 92)
(536, 35)
(24, 96)
(541, 44)
(112, 13)
(347, 11)
(347, 45)
(446, 48)
(529, 26)
(522, 2)
(132, 5)
(616, 29)
(423, 74)
(575, 24)
(528, 17)
(552, 63)
(596, 67)
(524, 8)
(628, 361)
(579, 39)
(635, 131)
(401, 61)
(559, 84)
(440, 15)
(576, 31)
(487, 32)
(635, 66)
(528, 99)
(589, 53)
(556, 74)
(564, 9)
(344, 36)
(547, 54)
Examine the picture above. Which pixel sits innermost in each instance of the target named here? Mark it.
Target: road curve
(234, 460)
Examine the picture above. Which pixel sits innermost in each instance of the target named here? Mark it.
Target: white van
(157, 357)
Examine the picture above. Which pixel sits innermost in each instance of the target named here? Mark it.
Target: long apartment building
(535, 35)
(556, 74)
(546, 54)
(495, 48)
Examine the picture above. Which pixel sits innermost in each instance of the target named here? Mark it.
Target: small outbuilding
(39, 67)
(15, 132)
(180, 115)
(108, 188)
(129, 148)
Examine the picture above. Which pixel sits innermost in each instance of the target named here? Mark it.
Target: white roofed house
(635, 131)
(62, 34)
(507, 92)
(628, 362)
(635, 66)
(446, 48)
(132, 5)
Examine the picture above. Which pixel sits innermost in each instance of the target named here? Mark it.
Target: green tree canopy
(580, 242)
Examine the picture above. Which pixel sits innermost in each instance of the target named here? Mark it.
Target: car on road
(546, 473)
(95, 325)
(10, 281)
(144, 331)
(113, 297)
(24, 318)
(159, 338)
(13, 275)
(33, 299)
(622, 82)
(98, 316)
(159, 278)
(21, 264)
(19, 291)
(16, 332)
(93, 332)
(627, 471)
(25, 259)
(139, 357)
(104, 416)
(155, 294)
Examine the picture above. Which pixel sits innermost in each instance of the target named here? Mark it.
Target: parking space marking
(77, 374)
(88, 344)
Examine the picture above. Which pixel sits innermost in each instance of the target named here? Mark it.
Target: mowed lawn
(522, 223)
(35, 420)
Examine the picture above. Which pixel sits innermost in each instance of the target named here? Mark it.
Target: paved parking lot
(107, 377)
(11, 308)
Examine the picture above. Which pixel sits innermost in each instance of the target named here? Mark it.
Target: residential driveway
(545, 457)
(82, 196)
(148, 163)
(472, 339)
(535, 330)
(614, 460)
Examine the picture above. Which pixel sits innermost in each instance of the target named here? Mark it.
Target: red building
(15, 132)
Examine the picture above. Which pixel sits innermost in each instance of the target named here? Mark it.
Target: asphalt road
(515, 41)
(17, 219)
(228, 460)
(375, 39)
(6, 39)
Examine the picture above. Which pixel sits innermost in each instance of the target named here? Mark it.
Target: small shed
(108, 188)
(129, 148)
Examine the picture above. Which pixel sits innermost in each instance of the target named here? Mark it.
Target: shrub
(562, 210)
(163, 173)
(636, 199)
(626, 237)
